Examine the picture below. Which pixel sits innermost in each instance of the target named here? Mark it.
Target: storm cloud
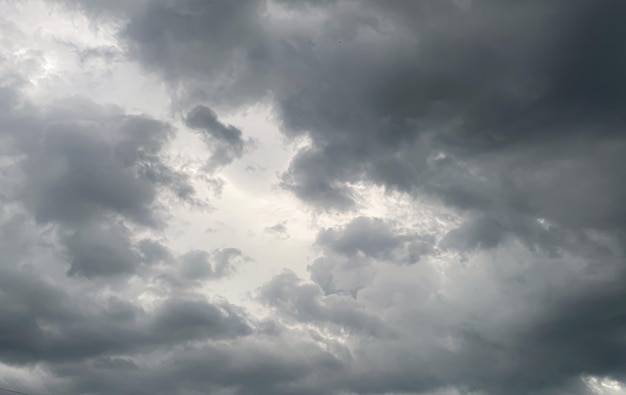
(461, 166)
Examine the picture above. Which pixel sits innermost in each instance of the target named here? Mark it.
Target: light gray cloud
(307, 303)
(195, 266)
(154, 252)
(279, 230)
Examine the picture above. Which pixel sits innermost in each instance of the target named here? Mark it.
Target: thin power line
(12, 391)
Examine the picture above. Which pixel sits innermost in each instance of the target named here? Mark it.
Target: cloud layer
(493, 129)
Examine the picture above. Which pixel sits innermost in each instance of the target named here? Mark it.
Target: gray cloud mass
(508, 114)
(226, 141)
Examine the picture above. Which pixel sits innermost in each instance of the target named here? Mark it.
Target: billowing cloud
(467, 103)
(463, 163)
(43, 323)
(306, 303)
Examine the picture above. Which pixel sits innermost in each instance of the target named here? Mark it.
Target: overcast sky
(312, 197)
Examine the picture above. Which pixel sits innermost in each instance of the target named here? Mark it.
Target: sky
(299, 197)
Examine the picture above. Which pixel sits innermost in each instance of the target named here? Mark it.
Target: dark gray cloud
(225, 141)
(84, 161)
(516, 343)
(43, 323)
(509, 113)
(317, 179)
(375, 238)
(103, 9)
(90, 172)
(95, 252)
(158, 28)
(253, 366)
(88, 163)
(391, 94)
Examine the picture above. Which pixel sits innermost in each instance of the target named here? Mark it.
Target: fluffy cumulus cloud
(448, 217)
